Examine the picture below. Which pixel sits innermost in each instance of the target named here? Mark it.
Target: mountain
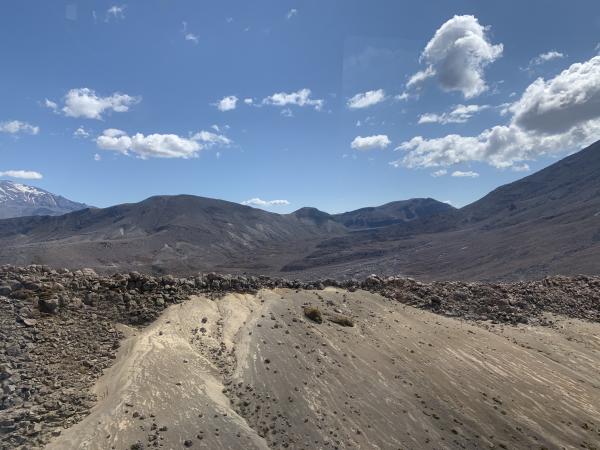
(570, 186)
(17, 200)
(392, 213)
(180, 233)
(546, 223)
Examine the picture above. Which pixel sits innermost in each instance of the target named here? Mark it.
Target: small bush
(313, 313)
(344, 321)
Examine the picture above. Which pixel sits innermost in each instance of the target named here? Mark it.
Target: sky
(283, 104)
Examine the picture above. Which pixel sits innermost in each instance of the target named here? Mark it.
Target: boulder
(48, 306)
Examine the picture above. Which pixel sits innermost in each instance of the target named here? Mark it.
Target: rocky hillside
(547, 223)
(393, 213)
(256, 362)
(17, 200)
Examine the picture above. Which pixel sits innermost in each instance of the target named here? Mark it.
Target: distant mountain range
(546, 223)
(17, 200)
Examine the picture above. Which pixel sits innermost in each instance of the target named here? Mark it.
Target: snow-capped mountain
(18, 200)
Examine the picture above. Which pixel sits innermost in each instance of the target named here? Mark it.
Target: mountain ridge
(18, 200)
(546, 223)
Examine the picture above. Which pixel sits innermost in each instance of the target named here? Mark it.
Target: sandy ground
(246, 372)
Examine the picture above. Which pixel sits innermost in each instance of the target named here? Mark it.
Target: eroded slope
(251, 371)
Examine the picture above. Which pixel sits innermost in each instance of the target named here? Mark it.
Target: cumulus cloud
(159, 145)
(84, 102)
(228, 103)
(460, 114)
(457, 55)
(24, 174)
(468, 174)
(378, 141)
(248, 101)
(439, 173)
(551, 116)
(291, 13)
(264, 203)
(16, 126)
(287, 112)
(97, 157)
(559, 104)
(366, 99)
(298, 98)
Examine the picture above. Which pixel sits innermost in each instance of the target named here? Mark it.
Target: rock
(48, 306)
(5, 290)
(29, 322)
(87, 272)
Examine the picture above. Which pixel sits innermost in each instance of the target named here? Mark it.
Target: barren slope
(252, 372)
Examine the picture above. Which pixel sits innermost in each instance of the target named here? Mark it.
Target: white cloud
(287, 112)
(541, 59)
(521, 167)
(192, 37)
(227, 103)
(115, 12)
(16, 126)
(460, 114)
(291, 13)
(81, 133)
(439, 173)
(159, 145)
(298, 98)
(380, 141)
(468, 174)
(419, 77)
(559, 104)
(24, 174)
(50, 104)
(553, 116)
(366, 99)
(404, 96)
(97, 157)
(209, 139)
(248, 101)
(457, 55)
(265, 203)
(84, 102)
(544, 57)
(187, 35)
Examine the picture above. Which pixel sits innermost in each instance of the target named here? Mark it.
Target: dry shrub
(313, 313)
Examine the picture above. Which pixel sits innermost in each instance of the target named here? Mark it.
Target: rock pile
(514, 303)
(57, 327)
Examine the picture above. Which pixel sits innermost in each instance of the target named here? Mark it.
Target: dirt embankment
(251, 371)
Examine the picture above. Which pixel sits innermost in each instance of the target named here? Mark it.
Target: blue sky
(353, 103)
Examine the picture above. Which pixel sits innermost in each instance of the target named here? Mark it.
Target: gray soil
(251, 371)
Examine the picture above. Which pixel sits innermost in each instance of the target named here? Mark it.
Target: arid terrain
(132, 361)
(544, 224)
